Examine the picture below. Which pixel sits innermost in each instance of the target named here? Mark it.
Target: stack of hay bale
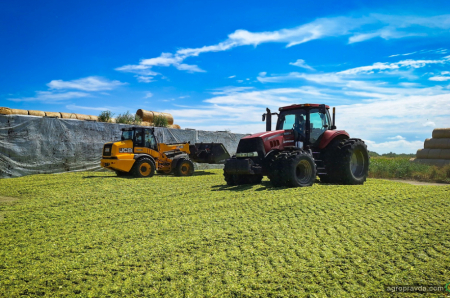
(8, 111)
(149, 116)
(146, 116)
(436, 150)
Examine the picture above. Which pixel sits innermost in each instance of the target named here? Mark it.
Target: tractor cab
(307, 121)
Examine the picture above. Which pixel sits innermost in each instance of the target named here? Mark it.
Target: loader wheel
(143, 168)
(347, 162)
(184, 167)
(300, 169)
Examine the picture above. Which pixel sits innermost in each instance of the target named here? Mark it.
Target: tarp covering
(41, 145)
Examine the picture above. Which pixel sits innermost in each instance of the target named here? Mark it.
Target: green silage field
(93, 234)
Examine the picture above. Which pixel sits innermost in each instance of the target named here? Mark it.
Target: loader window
(150, 141)
(127, 135)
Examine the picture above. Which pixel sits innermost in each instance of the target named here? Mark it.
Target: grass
(97, 235)
(402, 168)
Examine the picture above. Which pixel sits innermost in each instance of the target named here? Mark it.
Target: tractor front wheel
(184, 167)
(300, 170)
(143, 168)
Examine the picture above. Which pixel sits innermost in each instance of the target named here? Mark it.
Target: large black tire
(346, 162)
(184, 167)
(299, 169)
(293, 169)
(143, 168)
(229, 179)
(276, 170)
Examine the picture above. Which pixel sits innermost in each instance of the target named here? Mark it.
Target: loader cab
(308, 122)
(141, 137)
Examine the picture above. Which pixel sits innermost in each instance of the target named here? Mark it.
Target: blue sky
(216, 65)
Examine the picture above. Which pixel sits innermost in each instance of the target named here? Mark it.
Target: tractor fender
(331, 135)
(177, 159)
(139, 156)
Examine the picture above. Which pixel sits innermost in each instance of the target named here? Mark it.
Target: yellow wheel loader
(138, 153)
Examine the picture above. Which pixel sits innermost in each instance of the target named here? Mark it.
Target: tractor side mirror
(263, 117)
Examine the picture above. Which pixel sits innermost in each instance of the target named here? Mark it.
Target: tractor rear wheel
(346, 162)
(143, 168)
(185, 167)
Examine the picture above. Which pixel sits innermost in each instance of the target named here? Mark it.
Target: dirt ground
(412, 182)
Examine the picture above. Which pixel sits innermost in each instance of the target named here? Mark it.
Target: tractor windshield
(293, 119)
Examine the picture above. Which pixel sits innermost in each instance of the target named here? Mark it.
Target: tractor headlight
(250, 154)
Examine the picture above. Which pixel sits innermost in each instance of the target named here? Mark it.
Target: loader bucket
(212, 153)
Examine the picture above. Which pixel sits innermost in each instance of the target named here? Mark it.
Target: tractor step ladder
(319, 164)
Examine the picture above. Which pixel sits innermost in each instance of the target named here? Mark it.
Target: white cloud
(86, 84)
(429, 124)
(144, 79)
(383, 26)
(380, 66)
(301, 63)
(262, 74)
(399, 146)
(51, 97)
(148, 95)
(439, 78)
(397, 138)
(230, 77)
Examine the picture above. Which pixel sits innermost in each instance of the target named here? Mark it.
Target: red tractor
(304, 145)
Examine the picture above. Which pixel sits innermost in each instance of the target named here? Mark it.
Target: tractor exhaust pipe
(268, 120)
(333, 126)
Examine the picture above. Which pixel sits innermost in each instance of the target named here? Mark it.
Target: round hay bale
(437, 144)
(112, 120)
(175, 126)
(82, 117)
(434, 162)
(149, 116)
(439, 133)
(422, 153)
(434, 153)
(93, 118)
(146, 123)
(5, 111)
(36, 113)
(445, 154)
(19, 112)
(68, 115)
(53, 114)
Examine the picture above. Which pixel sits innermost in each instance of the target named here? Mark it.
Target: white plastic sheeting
(41, 145)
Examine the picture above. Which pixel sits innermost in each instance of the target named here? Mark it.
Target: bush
(160, 121)
(401, 167)
(105, 116)
(127, 118)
